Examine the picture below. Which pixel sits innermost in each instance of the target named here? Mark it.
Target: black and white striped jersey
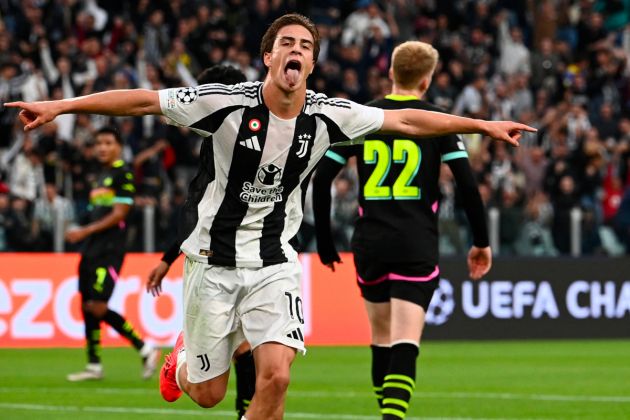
(253, 207)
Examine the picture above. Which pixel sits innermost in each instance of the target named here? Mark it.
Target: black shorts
(98, 275)
(380, 281)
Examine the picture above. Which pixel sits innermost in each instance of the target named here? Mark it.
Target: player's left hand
(76, 235)
(479, 262)
(329, 258)
(331, 265)
(507, 131)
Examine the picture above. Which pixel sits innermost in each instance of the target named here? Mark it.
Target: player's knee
(97, 309)
(206, 397)
(276, 381)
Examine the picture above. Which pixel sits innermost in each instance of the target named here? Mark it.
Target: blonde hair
(412, 61)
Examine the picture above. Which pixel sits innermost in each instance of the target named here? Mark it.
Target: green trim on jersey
(454, 155)
(123, 200)
(337, 158)
(401, 98)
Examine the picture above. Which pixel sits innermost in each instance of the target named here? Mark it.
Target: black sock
(123, 328)
(400, 381)
(92, 337)
(245, 381)
(380, 365)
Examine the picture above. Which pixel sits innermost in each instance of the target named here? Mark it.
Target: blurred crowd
(559, 65)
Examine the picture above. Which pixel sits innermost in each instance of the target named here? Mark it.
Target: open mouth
(293, 65)
(292, 71)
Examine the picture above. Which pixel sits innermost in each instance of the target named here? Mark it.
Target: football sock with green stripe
(400, 381)
(92, 337)
(380, 365)
(123, 328)
(245, 381)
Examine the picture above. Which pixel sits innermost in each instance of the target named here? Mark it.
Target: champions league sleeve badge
(186, 96)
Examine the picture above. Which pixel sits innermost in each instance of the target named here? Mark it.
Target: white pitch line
(352, 394)
(214, 413)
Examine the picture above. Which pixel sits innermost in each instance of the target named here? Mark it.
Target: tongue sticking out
(292, 76)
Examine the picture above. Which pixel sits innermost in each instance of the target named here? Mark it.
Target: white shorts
(225, 305)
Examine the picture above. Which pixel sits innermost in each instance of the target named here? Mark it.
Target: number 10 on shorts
(295, 307)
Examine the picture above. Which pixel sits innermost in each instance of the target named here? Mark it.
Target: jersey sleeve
(327, 169)
(452, 147)
(124, 187)
(471, 200)
(350, 120)
(197, 107)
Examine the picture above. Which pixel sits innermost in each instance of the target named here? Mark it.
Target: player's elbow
(147, 103)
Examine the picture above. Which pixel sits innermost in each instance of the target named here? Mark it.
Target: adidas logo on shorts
(296, 335)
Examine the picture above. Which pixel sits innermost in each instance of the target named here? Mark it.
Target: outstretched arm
(114, 102)
(420, 123)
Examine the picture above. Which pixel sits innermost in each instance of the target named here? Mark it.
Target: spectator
(563, 202)
(19, 229)
(5, 209)
(27, 176)
(535, 238)
(47, 212)
(515, 57)
(359, 24)
(473, 100)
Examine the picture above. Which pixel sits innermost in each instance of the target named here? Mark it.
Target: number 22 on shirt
(379, 154)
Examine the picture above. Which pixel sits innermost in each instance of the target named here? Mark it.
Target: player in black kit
(111, 198)
(395, 243)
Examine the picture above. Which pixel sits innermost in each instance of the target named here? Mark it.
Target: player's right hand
(35, 114)
(154, 283)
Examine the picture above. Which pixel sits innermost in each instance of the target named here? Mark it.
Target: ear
(424, 84)
(390, 74)
(267, 59)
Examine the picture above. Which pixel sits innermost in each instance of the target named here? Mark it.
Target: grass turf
(456, 380)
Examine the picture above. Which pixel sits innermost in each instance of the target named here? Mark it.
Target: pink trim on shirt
(398, 277)
(360, 211)
(113, 273)
(434, 207)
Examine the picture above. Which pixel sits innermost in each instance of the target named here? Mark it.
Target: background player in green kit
(111, 198)
(395, 243)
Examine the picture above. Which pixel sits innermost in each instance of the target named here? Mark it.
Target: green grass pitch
(456, 381)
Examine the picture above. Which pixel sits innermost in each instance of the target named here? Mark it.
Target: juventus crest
(303, 139)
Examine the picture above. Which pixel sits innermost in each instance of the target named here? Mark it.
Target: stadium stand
(559, 65)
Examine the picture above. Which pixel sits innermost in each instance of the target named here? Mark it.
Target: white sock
(243, 418)
(146, 350)
(94, 367)
(181, 360)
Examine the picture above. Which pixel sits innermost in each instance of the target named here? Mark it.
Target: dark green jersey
(114, 185)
